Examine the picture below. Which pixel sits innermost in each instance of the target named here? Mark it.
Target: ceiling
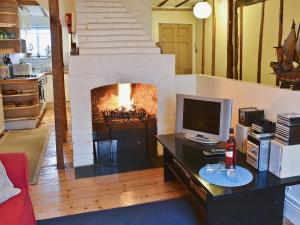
(34, 10)
(174, 3)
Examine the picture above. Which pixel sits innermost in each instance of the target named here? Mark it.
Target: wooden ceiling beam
(44, 12)
(230, 33)
(172, 9)
(181, 3)
(162, 3)
(248, 2)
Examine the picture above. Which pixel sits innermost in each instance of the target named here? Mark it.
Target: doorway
(177, 39)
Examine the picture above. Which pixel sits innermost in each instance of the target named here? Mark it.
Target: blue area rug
(172, 212)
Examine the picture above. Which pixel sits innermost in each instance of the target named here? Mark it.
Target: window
(37, 40)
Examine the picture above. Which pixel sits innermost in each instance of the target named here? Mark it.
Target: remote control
(211, 152)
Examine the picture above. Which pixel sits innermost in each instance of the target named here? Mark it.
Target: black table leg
(168, 174)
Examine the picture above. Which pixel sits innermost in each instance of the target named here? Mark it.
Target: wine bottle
(230, 154)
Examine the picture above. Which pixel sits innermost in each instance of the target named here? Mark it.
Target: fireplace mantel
(89, 72)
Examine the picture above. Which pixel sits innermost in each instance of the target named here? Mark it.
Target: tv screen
(202, 116)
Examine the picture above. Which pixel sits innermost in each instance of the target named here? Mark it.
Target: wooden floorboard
(58, 193)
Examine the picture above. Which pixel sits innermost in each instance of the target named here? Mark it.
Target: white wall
(198, 45)
(272, 99)
(186, 84)
(49, 94)
(141, 10)
(65, 6)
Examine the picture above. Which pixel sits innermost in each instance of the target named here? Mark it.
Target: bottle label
(229, 154)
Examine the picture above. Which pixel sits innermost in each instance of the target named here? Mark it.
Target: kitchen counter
(23, 101)
(66, 72)
(22, 79)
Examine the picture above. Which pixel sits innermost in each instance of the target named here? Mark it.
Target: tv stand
(200, 139)
(260, 202)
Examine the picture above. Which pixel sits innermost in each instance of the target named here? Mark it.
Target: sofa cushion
(7, 189)
(12, 211)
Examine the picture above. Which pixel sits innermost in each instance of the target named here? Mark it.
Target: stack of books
(288, 128)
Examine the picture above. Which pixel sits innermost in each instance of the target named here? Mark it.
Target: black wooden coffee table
(260, 202)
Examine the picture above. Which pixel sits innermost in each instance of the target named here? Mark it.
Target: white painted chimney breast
(88, 72)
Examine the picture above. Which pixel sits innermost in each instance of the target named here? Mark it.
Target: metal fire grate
(123, 114)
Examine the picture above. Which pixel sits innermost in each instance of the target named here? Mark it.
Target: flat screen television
(203, 119)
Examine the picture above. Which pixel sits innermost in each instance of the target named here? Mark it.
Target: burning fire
(125, 100)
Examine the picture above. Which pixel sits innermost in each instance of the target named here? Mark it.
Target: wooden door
(177, 39)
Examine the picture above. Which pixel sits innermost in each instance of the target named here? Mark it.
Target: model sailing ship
(287, 67)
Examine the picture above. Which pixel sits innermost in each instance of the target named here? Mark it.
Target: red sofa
(17, 210)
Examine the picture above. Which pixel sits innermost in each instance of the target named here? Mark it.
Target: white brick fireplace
(89, 72)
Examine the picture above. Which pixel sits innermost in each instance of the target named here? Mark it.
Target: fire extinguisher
(69, 22)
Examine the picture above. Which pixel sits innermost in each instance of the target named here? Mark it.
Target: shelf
(10, 46)
(8, 39)
(21, 118)
(11, 29)
(42, 107)
(7, 50)
(7, 25)
(9, 7)
(20, 107)
(24, 91)
(8, 13)
(9, 19)
(20, 95)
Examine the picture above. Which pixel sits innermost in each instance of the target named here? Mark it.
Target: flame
(124, 91)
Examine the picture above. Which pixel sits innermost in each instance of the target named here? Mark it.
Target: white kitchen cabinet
(49, 88)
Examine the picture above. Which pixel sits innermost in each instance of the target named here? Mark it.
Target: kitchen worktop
(22, 79)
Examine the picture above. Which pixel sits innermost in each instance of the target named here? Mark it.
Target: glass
(215, 168)
(231, 174)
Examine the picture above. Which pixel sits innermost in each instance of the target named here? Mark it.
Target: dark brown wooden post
(236, 40)
(261, 36)
(230, 52)
(58, 81)
(280, 22)
(203, 48)
(63, 96)
(281, 10)
(241, 39)
(213, 48)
